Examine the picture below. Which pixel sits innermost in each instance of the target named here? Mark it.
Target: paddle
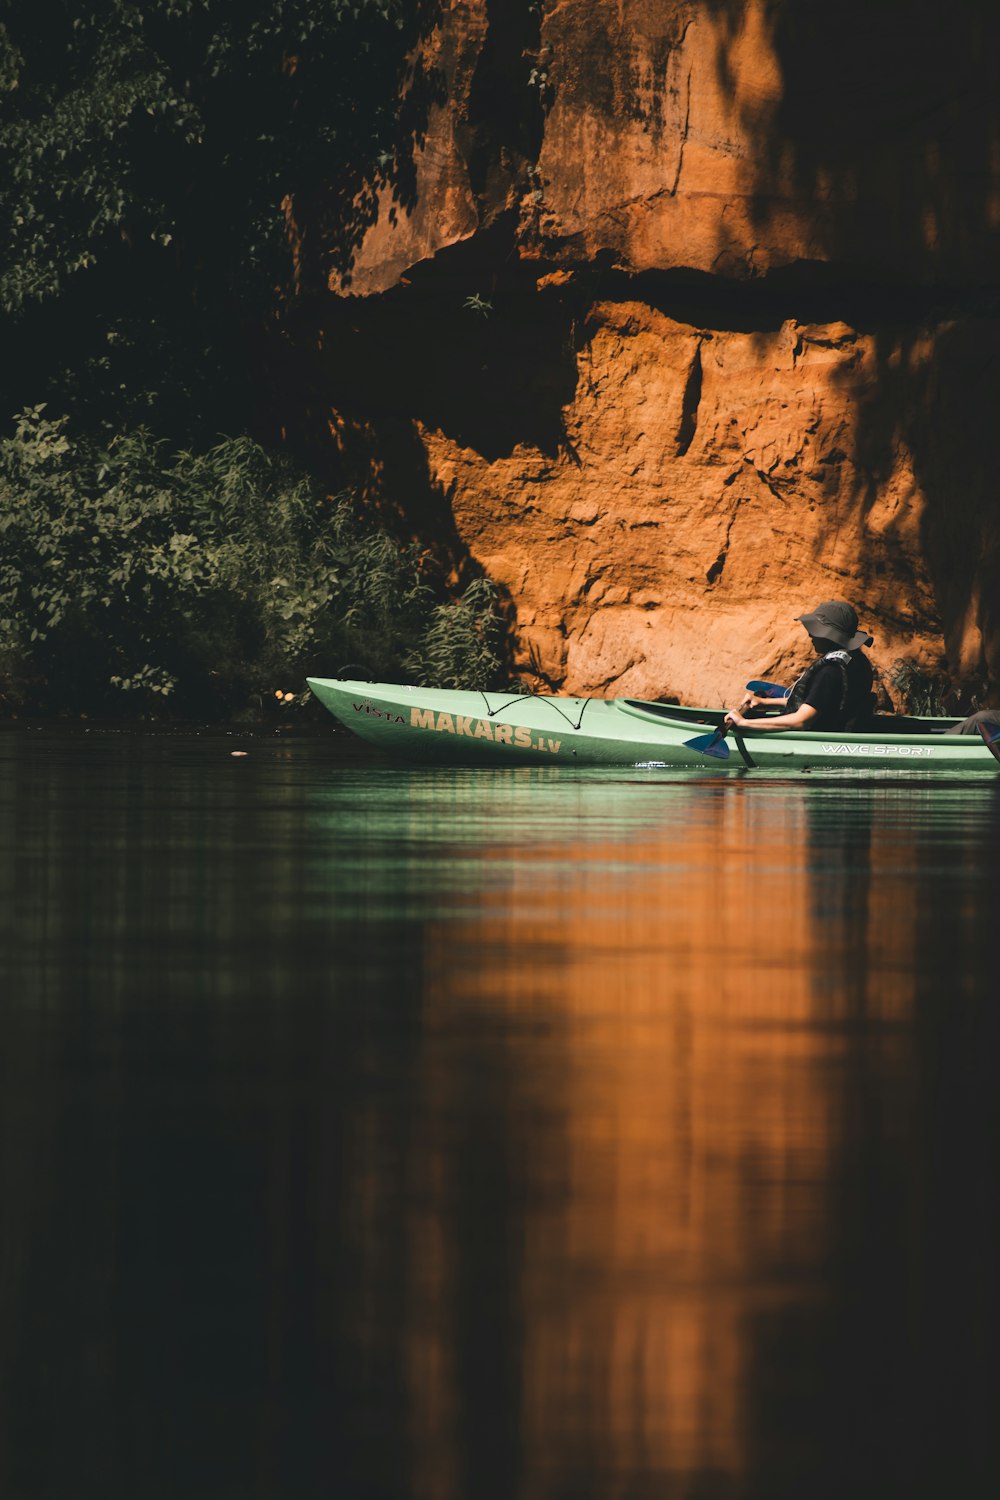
(711, 744)
(991, 739)
(715, 745)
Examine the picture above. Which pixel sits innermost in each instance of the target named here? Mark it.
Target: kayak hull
(476, 728)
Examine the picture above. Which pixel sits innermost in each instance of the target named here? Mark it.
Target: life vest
(801, 685)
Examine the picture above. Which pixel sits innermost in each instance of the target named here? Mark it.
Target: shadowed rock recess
(688, 320)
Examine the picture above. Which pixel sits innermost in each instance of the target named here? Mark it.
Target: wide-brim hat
(835, 621)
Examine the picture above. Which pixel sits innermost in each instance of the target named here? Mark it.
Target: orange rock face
(706, 492)
(687, 327)
(736, 136)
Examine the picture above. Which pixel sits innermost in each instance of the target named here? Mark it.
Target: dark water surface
(371, 1132)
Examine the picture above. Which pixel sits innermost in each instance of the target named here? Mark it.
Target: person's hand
(734, 716)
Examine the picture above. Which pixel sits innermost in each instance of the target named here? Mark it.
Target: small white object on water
(239, 752)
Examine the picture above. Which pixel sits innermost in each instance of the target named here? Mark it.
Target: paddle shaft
(748, 759)
(720, 735)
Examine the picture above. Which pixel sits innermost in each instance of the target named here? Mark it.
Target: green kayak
(468, 728)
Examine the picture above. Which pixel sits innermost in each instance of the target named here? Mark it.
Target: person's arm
(800, 719)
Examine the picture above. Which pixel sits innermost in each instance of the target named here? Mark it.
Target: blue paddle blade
(710, 744)
(767, 689)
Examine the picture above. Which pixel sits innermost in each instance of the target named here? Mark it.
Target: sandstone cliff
(687, 321)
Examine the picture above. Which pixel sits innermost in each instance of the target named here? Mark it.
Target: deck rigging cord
(491, 713)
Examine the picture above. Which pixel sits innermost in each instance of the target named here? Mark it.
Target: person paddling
(835, 691)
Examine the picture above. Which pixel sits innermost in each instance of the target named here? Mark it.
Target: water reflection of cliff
(663, 1171)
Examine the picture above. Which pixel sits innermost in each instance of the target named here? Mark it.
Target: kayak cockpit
(675, 712)
(893, 725)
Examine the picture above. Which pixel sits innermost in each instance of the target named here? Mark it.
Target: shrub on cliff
(460, 645)
(132, 578)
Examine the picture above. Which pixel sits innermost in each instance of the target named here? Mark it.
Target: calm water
(494, 1135)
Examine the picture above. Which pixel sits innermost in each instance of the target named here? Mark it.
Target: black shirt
(826, 689)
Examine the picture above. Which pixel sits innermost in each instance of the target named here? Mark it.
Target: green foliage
(115, 115)
(130, 576)
(461, 646)
(921, 693)
(172, 173)
(153, 154)
(477, 304)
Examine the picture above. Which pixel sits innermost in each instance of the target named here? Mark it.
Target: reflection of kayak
(487, 728)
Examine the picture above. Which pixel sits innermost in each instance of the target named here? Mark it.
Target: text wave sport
(478, 728)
